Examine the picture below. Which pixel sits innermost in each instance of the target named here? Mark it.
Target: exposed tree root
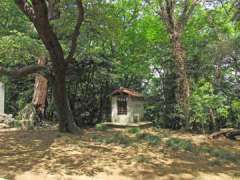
(229, 133)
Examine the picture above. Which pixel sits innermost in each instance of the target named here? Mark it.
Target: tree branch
(17, 73)
(187, 11)
(166, 13)
(26, 8)
(47, 35)
(76, 32)
(170, 6)
(40, 9)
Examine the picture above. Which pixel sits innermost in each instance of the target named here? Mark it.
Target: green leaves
(205, 105)
(18, 48)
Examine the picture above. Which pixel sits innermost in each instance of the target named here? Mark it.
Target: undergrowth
(115, 138)
(134, 130)
(186, 145)
(123, 139)
(149, 138)
(142, 159)
(101, 127)
(179, 144)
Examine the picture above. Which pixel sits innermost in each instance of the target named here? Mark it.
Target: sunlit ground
(112, 154)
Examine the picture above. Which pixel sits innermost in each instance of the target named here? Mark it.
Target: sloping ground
(115, 155)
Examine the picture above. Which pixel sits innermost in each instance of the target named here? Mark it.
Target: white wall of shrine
(135, 111)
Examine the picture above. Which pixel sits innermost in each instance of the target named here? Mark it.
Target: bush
(224, 155)
(204, 149)
(119, 139)
(134, 130)
(151, 139)
(218, 153)
(142, 159)
(116, 138)
(16, 124)
(203, 102)
(101, 127)
(179, 144)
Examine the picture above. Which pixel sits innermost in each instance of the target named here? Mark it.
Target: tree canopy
(183, 55)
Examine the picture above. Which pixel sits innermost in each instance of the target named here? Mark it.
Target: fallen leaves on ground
(97, 151)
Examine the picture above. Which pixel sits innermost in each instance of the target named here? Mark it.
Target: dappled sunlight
(20, 151)
(53, 155)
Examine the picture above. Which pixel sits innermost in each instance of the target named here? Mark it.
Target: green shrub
(101, 127)
(142, 159)
(224, 155)
(218, 153)
(119, 139)
(216, 162)
(179, 144)
(151, 139)
(204, 100)
(140, 136)
(134, 130)
(236, 174)
(15, 124)
(204, 149)
(116, 138)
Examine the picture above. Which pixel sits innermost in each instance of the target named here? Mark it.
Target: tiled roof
(130, 92)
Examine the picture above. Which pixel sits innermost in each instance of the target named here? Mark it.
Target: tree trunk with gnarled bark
(175, 15)
(230, 133)
(40, 91)
(61, 101)
(38, 13)
(182, 81)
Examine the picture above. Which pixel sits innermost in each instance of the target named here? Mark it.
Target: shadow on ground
(20, 151)
(61, 154)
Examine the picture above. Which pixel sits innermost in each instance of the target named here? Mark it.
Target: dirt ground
(50, 155)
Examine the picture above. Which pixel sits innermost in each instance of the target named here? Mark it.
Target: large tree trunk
(183, 90)
(64, 112)
(39, 12)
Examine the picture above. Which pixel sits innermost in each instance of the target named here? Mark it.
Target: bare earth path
(50, 155)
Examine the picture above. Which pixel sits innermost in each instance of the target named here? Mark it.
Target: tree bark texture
(37, 12)
(183, 90)
(62, 105)
(40, 91)
(175, 18)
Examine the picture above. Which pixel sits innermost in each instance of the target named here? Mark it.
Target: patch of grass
(68, 140)
(224, 155)
(142, 159)
(95, 137)
(218, 153)
(151, 139)
(204, 149)
(59, 135)
(179, 144)
(116, 138)
(119, 139)
(134, 130)
(216, 162)
(236, 174)
(101, 127)
(16, 124)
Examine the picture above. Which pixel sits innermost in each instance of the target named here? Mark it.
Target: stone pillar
(2, 94)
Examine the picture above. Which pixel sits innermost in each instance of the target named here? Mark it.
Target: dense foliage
(124, 43)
